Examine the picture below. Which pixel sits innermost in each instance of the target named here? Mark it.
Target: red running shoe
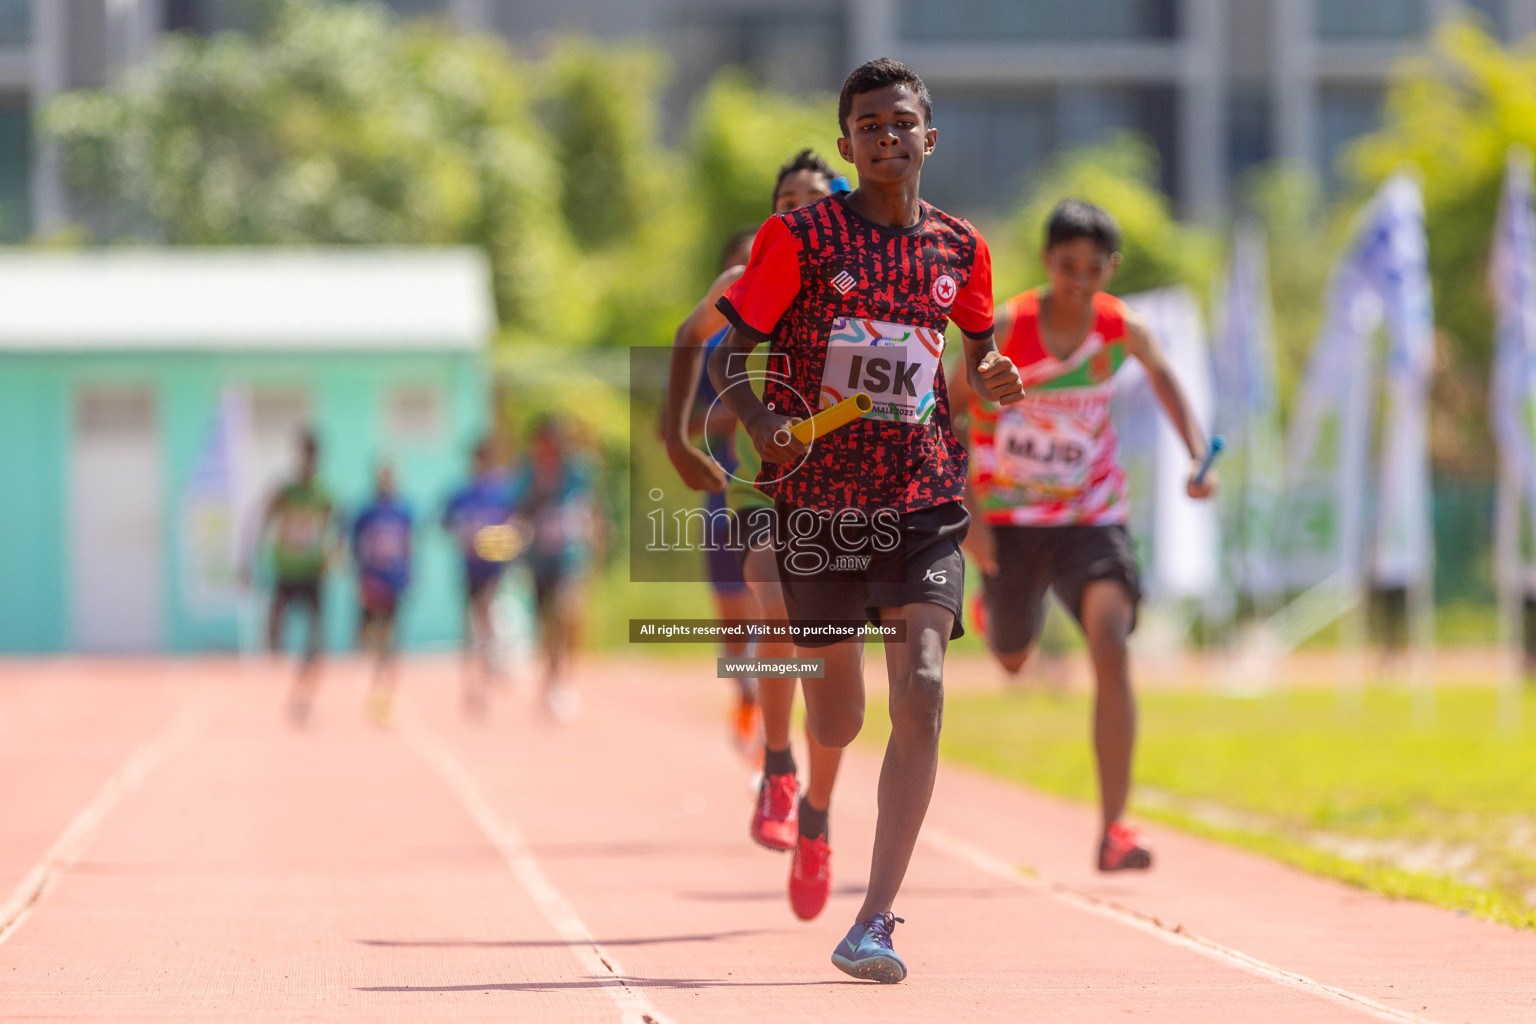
(1123, 849)
(810, 877)
(776, 819)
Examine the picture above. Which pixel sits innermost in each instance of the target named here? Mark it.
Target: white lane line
(1175, 934)
(66, 849)
(633, 1004)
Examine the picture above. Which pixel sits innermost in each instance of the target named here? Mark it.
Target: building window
(415, 414)
(1343, 115)
(1014, 21)
(989, 145)
(279, 412)
(992, 143)
(1494, 13)
(15, 172)
(1371, 19)
(417, 8)
(1249, 129)
(211, 16)
(15, 23)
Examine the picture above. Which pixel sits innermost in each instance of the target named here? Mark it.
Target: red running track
(170, 849)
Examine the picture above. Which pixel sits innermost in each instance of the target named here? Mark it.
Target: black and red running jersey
(847, 305)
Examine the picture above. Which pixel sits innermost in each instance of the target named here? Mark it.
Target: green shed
(150, 400)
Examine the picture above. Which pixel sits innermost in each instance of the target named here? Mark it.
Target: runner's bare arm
(960, 390)
(697, 469)
(768, 430)
(1141, 344)
(979, 542)
(992, 375)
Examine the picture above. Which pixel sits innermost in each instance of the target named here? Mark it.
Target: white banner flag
(1382, 279)
(1512, 281)
(210, 509)
(1185, 537)
(1248, 416)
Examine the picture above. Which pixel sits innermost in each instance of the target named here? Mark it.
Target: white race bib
(1049, 455)
(892, 363)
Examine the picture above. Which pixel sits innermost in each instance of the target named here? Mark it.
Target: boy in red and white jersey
(1047, 490)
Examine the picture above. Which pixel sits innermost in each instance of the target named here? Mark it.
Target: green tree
(1288, 202)
(1121, 176)
(600, 109)
(335, 123)
(636, 225)
(741, 135)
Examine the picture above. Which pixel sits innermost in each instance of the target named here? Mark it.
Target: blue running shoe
(866, 952)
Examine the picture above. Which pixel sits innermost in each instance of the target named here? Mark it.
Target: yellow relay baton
(829, 419)
(500, 543)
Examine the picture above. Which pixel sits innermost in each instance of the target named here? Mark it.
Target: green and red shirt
(1053, 458)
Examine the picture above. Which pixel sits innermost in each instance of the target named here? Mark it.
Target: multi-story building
(1217, 85)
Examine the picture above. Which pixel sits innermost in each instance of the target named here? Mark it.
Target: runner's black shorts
(477, 585)
(377, 603)
(846, 569)
(1063, 558)
(298, 594)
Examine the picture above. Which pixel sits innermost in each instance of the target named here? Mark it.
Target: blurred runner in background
(691, 409)
(554, 507)
(477, 517)
(300, 520)
(381, 547)
(784, 817)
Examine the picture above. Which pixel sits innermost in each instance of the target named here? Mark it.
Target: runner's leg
(307, 598)
(482, 639)
(834, 704)
(277, 611)
(746, 716)
(911, 763)
(1108, 616)
(777, 695)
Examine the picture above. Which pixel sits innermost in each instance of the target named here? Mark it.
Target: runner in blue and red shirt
(381, 547)
(785, 815)
(853, 293)
(473, 516)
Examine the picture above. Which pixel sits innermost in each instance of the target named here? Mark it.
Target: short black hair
(1076, 218)
(805, 160)
(877, 74)
(738, 240)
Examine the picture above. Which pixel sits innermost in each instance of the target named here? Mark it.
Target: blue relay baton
(1217, 444)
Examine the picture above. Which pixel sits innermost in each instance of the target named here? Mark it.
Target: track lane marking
(982, 860)
(77, 835)
(634, 1005)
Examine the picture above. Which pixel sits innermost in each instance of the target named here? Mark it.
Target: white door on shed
(115, 521)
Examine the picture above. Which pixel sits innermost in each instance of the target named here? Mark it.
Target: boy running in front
(853, 293)
(1048, 491)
